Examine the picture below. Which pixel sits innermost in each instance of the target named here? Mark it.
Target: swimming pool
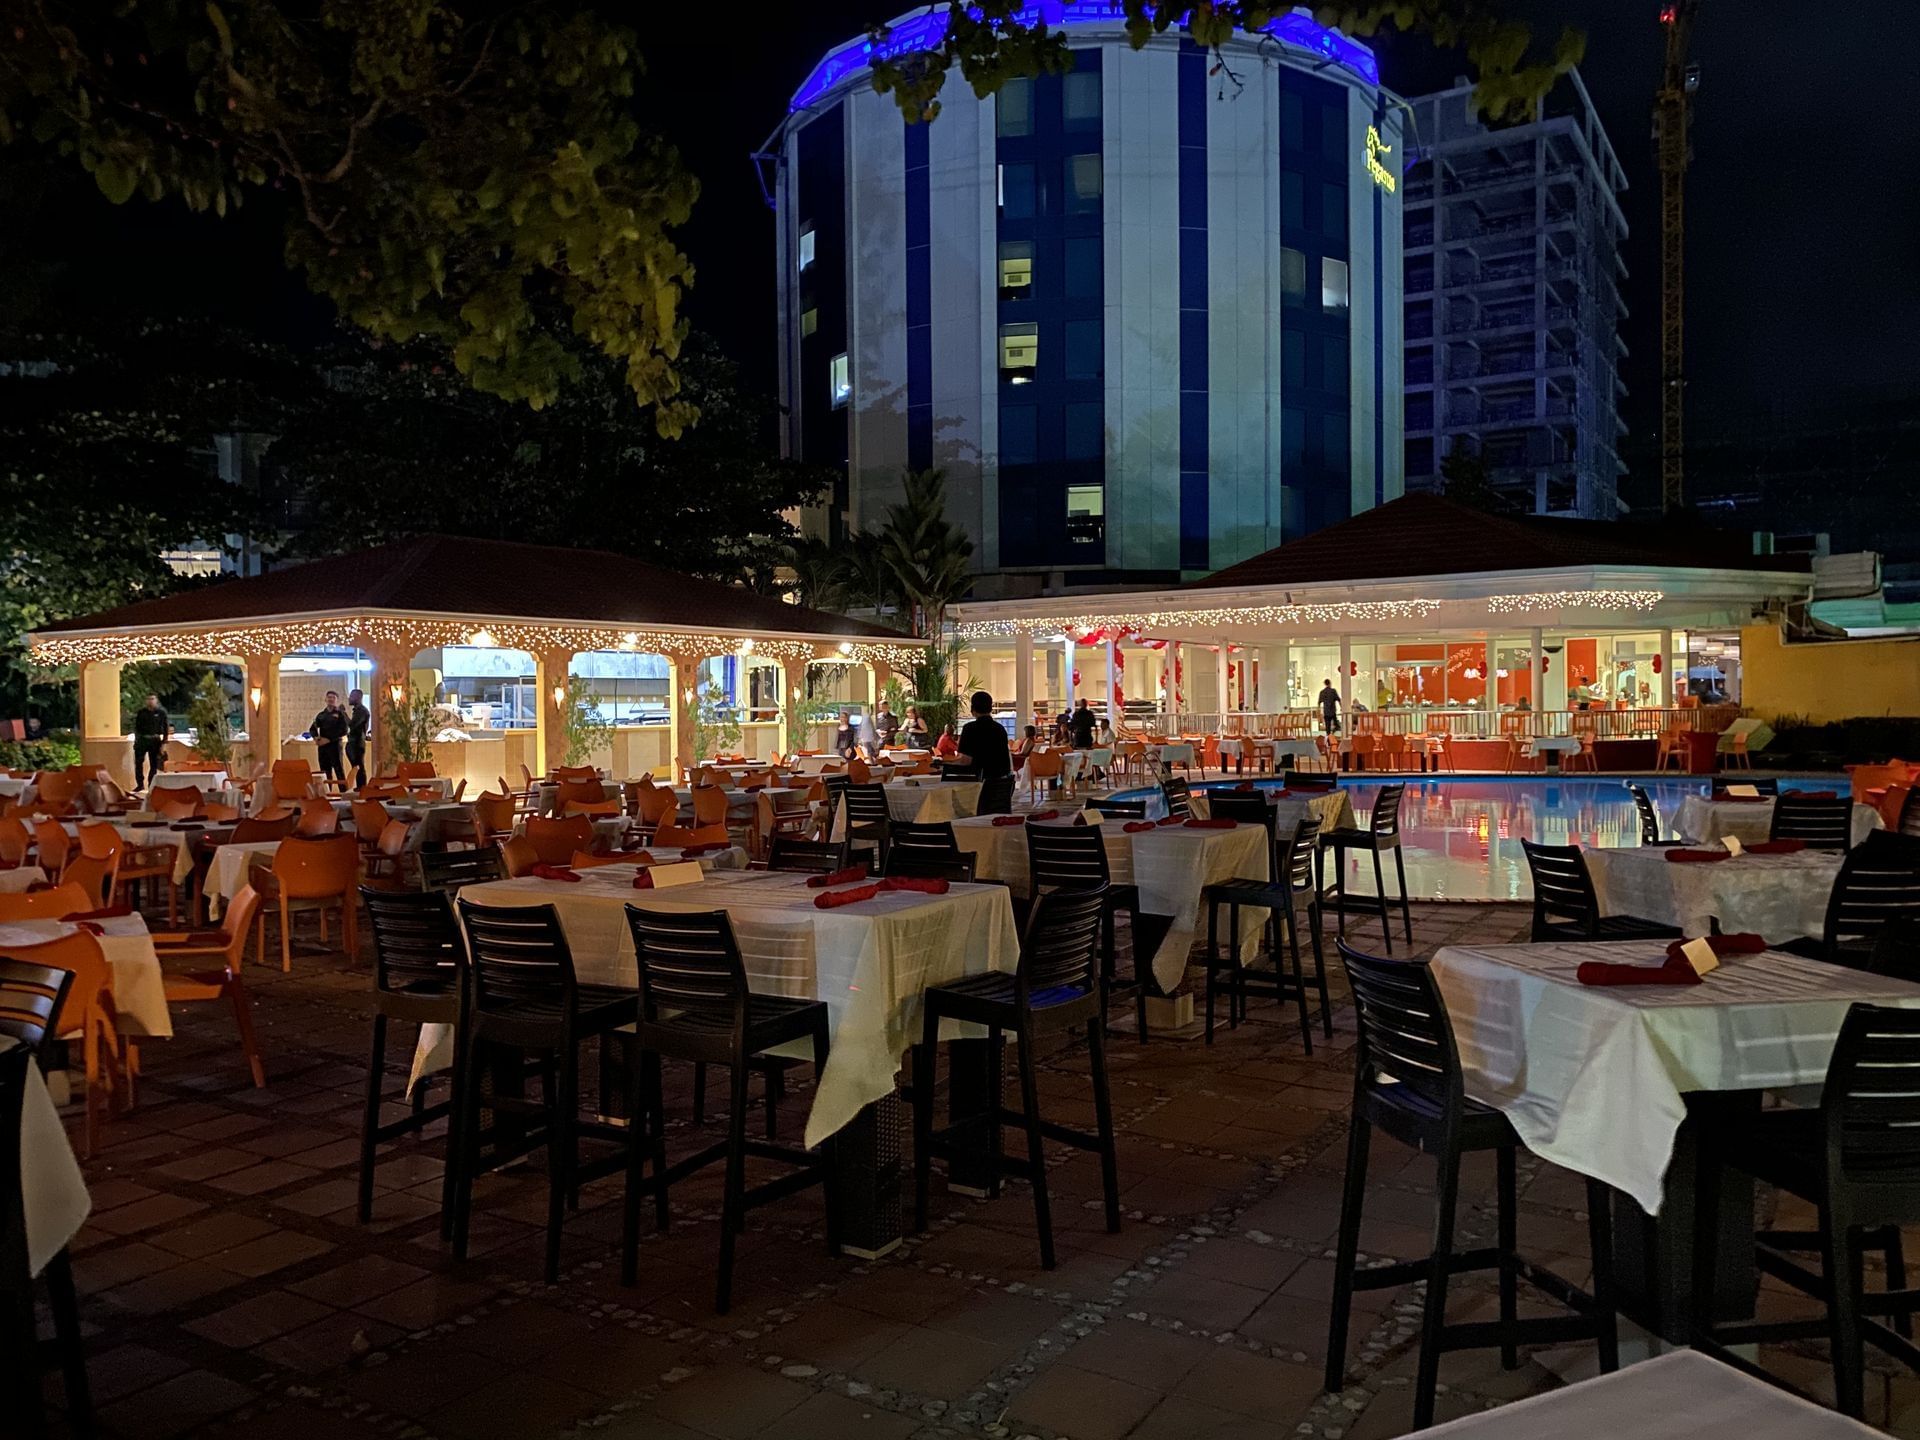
(1462, 837)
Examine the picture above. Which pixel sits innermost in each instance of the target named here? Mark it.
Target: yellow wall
(1827, 679)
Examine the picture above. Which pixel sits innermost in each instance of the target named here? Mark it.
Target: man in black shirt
(983, 744)
(358, 719)
(151, 729)
(1081, 727)
(328, 729)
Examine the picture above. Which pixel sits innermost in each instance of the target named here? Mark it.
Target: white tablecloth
(1701, 819)
(1593, 1078)
(1546, 744)
(1171, 864)
(1681, 1395)
(12, 787)
(201, 780)
(928, 804)
(227, 874)
(1781, 897)
(1175, 752)
(1298, 748)
(52, 1189)
(1332, 808)
(139, 992)
(160, 833)
(21, 879)
(869, 962)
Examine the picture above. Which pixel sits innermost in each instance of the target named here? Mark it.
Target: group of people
(335, 726)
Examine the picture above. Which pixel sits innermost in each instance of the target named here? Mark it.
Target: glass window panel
(1019, 351)
(806, 247)
(1333, 211)
(1016, 192)
(1083, 184)
(1015, 107)
(1080, 100)
(1016, 269)
(1333, 284)
(1293, 276)
(1085, 427)
(1083, 349)
(1083, 268)
(1293, 358)
(839, 380)
(1293, 200)
(809, 321)
(1019, 434)
(1086, 514)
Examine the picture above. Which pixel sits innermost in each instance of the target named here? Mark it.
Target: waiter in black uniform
(358, 719)
(328, 729)
(151, 731)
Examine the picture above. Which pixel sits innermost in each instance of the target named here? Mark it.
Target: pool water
(1462, 837)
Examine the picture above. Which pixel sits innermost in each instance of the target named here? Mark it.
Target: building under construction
(1513, 279)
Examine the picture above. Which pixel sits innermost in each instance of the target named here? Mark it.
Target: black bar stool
(1074, 857)
(1818, 821)
(1407, 1081)
(521, 995)
(1055, 988)
(1291, 861)
(1382, 833)
(811, 857)
(923, 844)
(1179, 798)
(450, 869)
(868, 821)
(1565, 906)
(695, 1005)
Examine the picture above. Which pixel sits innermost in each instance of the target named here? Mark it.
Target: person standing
(983, 742)
(151, 731)
(328, 729)
(919, 737)
(886, 725)
(1081, 727)
(846, 739)
(358, 719)
(1329, 708)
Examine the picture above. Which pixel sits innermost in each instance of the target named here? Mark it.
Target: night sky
(1804, 223)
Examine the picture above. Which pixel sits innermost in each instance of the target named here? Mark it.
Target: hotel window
(1083, 184)
(1293, 276)
(1016, 269)
(1086, 514)
(1019, 352)
(1085, 430)
(1333, 211)
(839, 380)
(806, 247)
(1083, 266)
(1016, 192)
(1082, 349)
(1333, 284)
(1080, 100)
(809, 321)
(1015, 107)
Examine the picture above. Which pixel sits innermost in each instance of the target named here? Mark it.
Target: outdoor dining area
(812, 1094)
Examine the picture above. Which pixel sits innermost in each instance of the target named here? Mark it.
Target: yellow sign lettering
(1376, 147)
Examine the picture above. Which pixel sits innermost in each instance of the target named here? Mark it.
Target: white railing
(1608, 723)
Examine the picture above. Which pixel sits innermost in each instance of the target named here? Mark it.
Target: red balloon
(1658, 661)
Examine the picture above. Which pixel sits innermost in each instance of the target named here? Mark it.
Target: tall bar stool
(1055, 988)
(1821, 822)
(928, 849)
(1382, 833)
(1565, 906)
(1291, 864)
(416, 980)
(694, 1004)
(869, 821)
(1074, 857)
(1179, 797)
(1407, 1081)
(522, 995)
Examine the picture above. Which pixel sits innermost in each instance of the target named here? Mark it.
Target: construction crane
(1672, 116)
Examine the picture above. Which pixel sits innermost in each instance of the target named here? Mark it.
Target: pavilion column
(263, 718)
(1066, 674)
(1280, 661)
(102, 741)
(1176, 677)
(1664, 695)
(392, 667)
(1113, 682)
(1537, 667)
(1022, 682)
(550, 735)
(686, 695)
(882, 674)
(1223, 677)
(1346, 678)
(789, 702)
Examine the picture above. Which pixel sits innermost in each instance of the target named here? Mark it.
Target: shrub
(54, 751)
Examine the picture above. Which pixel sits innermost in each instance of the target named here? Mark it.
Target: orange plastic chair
(292, 779)
(97, 867)
(518, 856)
(87, 1015)
(318, 819)
(173, 802)
(316, 875)
(227, 945)
(670, 836)
(657, 806)
(52, 845)
(15, 841)
(58, 791)
(709, 805)
(770, 820)
(387, 864)
(1042, 766)
(54, 904)
(381, 790)
(258, 829)
(147, 862)
(493, 817)
(414, 770)
(369, 819)
(554, 840)
(219, 814)
(575, 772)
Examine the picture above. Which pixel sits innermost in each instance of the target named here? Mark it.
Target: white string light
(1576, 599)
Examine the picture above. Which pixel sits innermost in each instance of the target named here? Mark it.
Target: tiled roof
(1419, 535)
(450, 575)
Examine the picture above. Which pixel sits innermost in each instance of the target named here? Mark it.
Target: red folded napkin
(1043, 815)
(1196, 823)
(109, 912)
(1134, 827)
(1246, 785)
(1815, 794)
(838, 877)
(555, 872)
(1004, 820)
(9, 864)
(1776, 847)
(1667, 972)
(643, 881)
(710, 848)
(88, 926)
(1696, 857)
(1171, 820)
(833, 899)
(1723, 945)
(926, 885)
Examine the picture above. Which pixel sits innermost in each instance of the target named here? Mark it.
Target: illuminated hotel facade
(1146, 315)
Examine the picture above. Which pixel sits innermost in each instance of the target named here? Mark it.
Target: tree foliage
(1465, 481)
(459, 172)
(927, 553)
(989, 42)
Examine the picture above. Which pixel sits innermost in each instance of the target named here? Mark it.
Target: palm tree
(866, 573)
(926, 552)
(819, 574)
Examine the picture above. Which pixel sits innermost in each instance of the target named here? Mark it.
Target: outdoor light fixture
(846, 647)
(396, 693)
(482, 638)
(255, 696)
(629, 640)
(687, 694)
(746, 646)
(559, 697)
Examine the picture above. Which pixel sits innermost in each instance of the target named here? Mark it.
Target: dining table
(1332, 808)
(1781, 897)
(133, 967)
(1616, 1082)
(1702, 818)
(229, 867)
(926, 800)
(53, 1192)
(21, 878)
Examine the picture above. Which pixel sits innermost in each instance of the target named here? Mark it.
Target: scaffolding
(1513, 301)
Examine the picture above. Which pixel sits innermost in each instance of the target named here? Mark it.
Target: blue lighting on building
(915, 33)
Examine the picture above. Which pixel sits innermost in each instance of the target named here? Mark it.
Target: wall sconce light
(687, 694)
(846, 647)
(746, 646)
(397, 693)
(559, 697)
(483, 638)
(255, 696)
(796, 692)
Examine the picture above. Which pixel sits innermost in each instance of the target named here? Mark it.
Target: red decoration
(1353, 667)
(1658, 662)
(1076, 679)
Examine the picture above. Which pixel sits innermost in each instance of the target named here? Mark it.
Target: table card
(1734, 847)
(686, 872)
(1745, 792)
(1699, 954)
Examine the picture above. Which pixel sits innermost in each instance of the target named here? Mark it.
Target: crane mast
(1672, 115)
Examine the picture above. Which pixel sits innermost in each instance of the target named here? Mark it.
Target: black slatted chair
(1897, 949)
(416, 980)
(1910, 813)
(1119, 809)
(1857, 1158)
(448, 870)
(1248, 806)
(521, 995)
(1649, 816)
(1179, 797)
(1308, 782)
(23, 1356)
(1055, 989)
(996, 795)
(810, 857)
(30, 996)
(1822, 823)
(868, 821)
(1565, 906)
(954, 869)
(1381, 834)
(1288, 859)
(695, 1005)
(928, 849)
(1074, 857)
(1407, 1082)
(1878, 883)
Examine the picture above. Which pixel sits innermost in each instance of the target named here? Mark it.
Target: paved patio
(229, 1291)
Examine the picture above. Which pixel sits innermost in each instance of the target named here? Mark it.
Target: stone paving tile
(229, 1290)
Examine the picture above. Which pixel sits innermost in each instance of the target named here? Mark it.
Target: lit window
(809, 321)
(1293, 276)
(1083, 184)
(1080, 100)
(806, 247)
(1016, 269)
(1015, 106)
(1019, 352)
(839, 380)
(1086, 514)
(1333, 284)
